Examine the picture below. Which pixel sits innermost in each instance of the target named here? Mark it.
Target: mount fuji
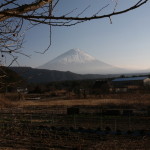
(80, 62)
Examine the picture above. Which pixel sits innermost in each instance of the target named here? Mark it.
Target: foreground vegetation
(44, 124)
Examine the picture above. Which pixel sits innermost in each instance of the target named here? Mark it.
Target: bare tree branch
(7, 13)
(20, 12)
(14, 14)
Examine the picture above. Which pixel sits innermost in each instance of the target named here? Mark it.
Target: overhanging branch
(5, 14)
(93, 17)
(20, 12)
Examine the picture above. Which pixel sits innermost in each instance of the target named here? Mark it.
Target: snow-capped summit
(73, 56)
(78, 61)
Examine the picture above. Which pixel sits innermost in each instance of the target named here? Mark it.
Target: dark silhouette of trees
(9, 80)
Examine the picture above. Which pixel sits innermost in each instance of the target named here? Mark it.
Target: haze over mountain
(80, 62)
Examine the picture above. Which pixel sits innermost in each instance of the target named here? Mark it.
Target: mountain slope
(80, 62)
(32, 75)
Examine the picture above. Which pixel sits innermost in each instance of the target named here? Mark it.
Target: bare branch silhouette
(15, 13)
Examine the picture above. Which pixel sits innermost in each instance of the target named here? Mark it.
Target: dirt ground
(45, 124)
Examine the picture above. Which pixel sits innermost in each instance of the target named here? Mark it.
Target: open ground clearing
(45, 124)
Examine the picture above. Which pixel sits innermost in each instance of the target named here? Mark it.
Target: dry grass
(79, 102)
(6, 103)
(22, 137)
(12, 148)
(11, 100)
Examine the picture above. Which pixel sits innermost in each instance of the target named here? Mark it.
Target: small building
(132, 83)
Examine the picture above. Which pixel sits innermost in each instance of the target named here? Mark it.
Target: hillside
(32, 75)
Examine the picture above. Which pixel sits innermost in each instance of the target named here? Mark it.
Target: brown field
(45, 125)
(87, 102)
(115, 99)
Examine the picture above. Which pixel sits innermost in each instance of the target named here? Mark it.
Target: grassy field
(85, 102)
(44, 124)
(44, 99)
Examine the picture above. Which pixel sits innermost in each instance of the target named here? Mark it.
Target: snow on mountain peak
(73, 56)
(78, 61)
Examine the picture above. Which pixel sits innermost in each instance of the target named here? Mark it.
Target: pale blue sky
(125, 43)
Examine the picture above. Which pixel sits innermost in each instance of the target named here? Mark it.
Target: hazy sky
(124, 43)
